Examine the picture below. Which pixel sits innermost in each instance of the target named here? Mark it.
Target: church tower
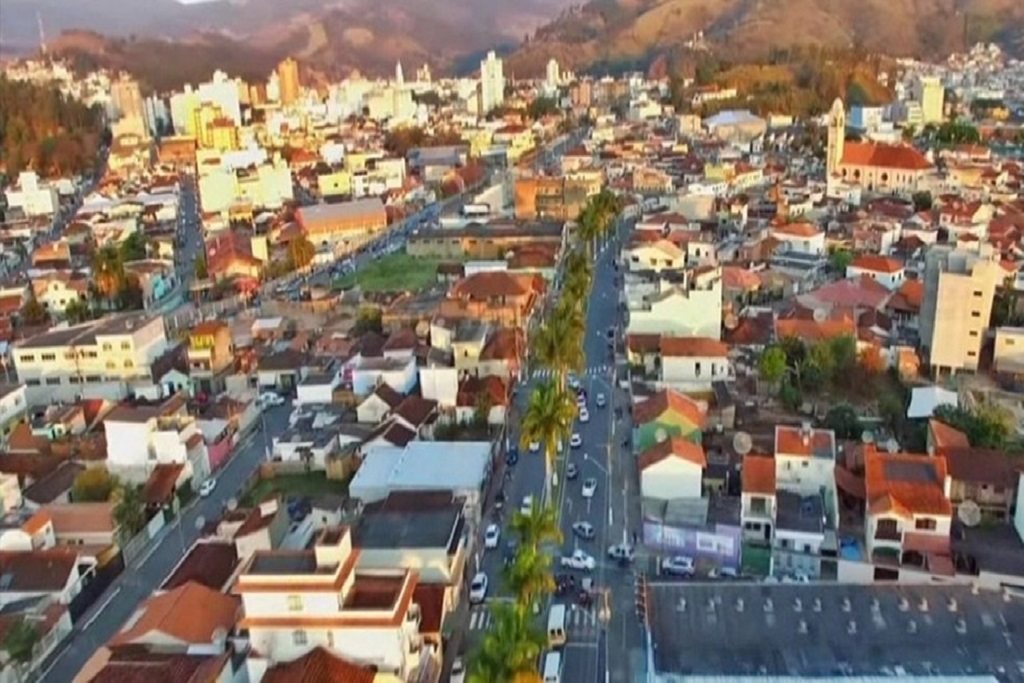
(399, 75)
(836, 137)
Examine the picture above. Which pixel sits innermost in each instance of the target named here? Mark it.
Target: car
(601, 401)
(512, 457)
(207, 487)
(584, 530)
(679, 565)
(621, 551)
(576, 441)
(571, 471)
(574, 383)
(584, 415)
(796, 578)
(589, 487)
(270, 399)
(722, 573)
(581, 401)
(491, 536)
(579, 560)
(526, 505)
(458, 671)
(534, 446)
(478, 589)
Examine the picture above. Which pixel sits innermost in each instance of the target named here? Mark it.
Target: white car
(576, 441)
(584, 530)
(589, 487)
(601, 401)
(458, 671)
(584, 415)
(581, 401)
(491, 536)
(678, 566)
(269, 399)
(207, 487)
(534, 446)
(621, 551)
(478, 589)
(526, 505)
(579, 560)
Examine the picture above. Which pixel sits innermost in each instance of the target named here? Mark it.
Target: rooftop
(409, 529)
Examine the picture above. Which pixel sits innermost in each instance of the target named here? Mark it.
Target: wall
(671, 478)
(721, 545)
(218, 452)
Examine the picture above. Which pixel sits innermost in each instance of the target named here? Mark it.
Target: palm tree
(528, 576)
(535, 529)
(511, 648)
(547, 421)
(558, 344)
(588, 226)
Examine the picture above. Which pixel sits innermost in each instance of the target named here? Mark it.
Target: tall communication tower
(42, 34)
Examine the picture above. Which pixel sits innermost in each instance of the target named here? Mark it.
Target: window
(107, 346)
(299, 637)
(925, 523)
(111, 365)
(294, 603)
(27, 358)
(696, 369)
(126, 346)
(975, 314)
(128, 364)
(977, 293)
(972, 354)
(48, 356)
(330, 639)
(52, 381)
(973, 333)
(94, 378)
(75, 379)
(32, 382)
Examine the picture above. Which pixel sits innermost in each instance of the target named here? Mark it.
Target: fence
(136, 546)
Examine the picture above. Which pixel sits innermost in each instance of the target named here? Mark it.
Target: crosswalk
(593, 371)
(579, 622)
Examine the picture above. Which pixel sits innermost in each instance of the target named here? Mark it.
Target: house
(90, 527)
(296, 601)
(211, 356)
(800, 238)
(805, 458)
(983, 476)
(886, 271)
(58, 288)
(55, 573)
(498, 297)
(180, 619)
(909, 512)
(418, 415)
(691, 364)
(99, 359)
(13, 406)
(654, 256)
(685, 304)
(758, 506)
(355, 222)
(800, 528)
(666, 414)
(131, 665)
(140, 437)
(672, 469)
(457, 467)
(230, 256)
(319, 665)
(378, 404)
(51, 622)
(281, 370)
(368, 373)
(487, 393)
(1008, 356)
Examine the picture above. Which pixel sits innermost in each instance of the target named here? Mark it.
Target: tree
(843, 352)
(820, 366)
(537, 527)
(922, 201)
(130, 296)
(558, 343)
(510, 649)
(839, 260)
(986, 426)
(843, 420)
(32, 312)
(482, 409)
(129, 510)
(77, 311)
(301, 252)
(133, 248)
(547, 421)
(772, 365)
(20, 642)
(200, 270)
(107, 273)
(94, 485)
(871, 360)
(529, 576)
(541, 107)
(369, 319)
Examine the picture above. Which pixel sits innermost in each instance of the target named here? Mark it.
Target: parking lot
(830, 629)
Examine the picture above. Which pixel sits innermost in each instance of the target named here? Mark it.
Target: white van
(556, 626)
(553, 667)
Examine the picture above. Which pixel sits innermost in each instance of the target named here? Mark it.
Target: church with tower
(876, 167)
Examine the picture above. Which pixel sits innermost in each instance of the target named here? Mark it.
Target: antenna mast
(42, 34)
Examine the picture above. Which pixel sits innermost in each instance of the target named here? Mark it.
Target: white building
(223, 92)
(553, 76)
(32, 196)
(673, 468)
(801, 238)
(680, 307)
(459, 467)
(492, 83)
(691, 364)
(887, 272)
(805, 459)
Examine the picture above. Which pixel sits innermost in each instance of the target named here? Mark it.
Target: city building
(33, 196)
(930, 94)
(288, 83)
(210, 356)
(126, 98)
(959, 288)
(102, 358)
(492, 83)
(350, 223)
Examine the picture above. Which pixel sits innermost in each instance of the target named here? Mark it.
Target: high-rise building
(423, 74)
(223, 92)
(959, 288)
(554, 74)
(492, 83)
(126, 97)
(288, 81)
(930, 94)
(399, 74)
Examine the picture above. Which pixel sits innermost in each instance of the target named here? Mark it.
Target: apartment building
(295, 601)
(210, 355)
(554, 198)
(13, 406)
(959, 288)
(489, 242)
(98, 359)
(140, 437)
(353, 223)
(266, 185)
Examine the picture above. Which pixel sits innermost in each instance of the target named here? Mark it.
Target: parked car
(584, 415)
(526, 505)
(722, 573)
(458, 671)
(579, 560)
(571, 472)
(512, 457)
(207, 487)
(576, 441)
(584, 530)
(678, 566)
(491, 536)
(589, 487)
(269, 399)
(581, 400)
(534, 446)
(478, 589)
(601, 401)
(621, 551)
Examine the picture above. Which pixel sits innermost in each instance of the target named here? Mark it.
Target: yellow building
(518, 140)
(335, 183)
(203, 118)
(288, 81)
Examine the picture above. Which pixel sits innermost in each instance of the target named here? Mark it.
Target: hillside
(615, 34)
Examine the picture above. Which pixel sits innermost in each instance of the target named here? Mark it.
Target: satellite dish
(892, 446)
(731, 321)
(660, 435)
(742, 443)
(819, 315)
(232, 504)
(969, 513)
(867, 436)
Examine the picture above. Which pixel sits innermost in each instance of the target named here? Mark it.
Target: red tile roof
(899, 157)
(693, 347)
(877, 264)
(190, 613)
(758, 475)
(319, 666)
(663, 401)
(160, 486)
(905, 484)
(683, 449)
(943, 436)
(794, 441)
(812, 331)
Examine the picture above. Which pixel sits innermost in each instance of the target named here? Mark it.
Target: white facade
(805, 459)
(33, 197)
(655, 256)
(693, 373)
(492, 83)
(671, 478)
(801, 242)
(891, 280)
(136, 447)
(223, 92)
(677, 312)
(399, 375)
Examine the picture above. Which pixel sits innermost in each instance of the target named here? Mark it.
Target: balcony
(887, 532)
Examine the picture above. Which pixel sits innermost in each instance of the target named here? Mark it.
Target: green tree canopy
(20, 641)
(33, 312)
(839, 260)
(129, 509)
(986, 426)
(94, 485)
(772, 365)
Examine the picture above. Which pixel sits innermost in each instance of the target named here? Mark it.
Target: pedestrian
(634, 538)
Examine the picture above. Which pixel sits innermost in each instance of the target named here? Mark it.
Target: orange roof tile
(320, 666)
(683, 449)
(877, 264)
(901, 157)
(797, 230)
(812, 330)
(758, 475)
(795, 441)
(905, 484)
(943, 436)
(666, 400)
(693, 347)
(190, 613)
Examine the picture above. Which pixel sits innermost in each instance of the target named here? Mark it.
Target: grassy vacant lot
(312, 484)
(396, 272)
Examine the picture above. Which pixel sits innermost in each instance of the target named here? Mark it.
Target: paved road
(138, 581)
